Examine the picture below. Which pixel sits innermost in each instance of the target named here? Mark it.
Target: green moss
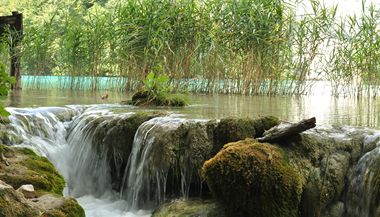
(26, 167)
(235, 129)
(232, 130)
(71, 208)
(12, 204)
(253, 179)
(264, 123)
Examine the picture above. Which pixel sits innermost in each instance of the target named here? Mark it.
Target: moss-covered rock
(55, 206)
(14, 204)
(253, 179)
(235, 129)
(189, 208)
(143, 98)
(25, 167)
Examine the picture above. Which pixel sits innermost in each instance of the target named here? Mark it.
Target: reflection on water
(347, 111)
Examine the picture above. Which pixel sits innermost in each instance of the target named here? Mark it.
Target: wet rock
(334, 172)
(167, 155)
(114, 138)
(363, 192)
(25, 167)
(189, 208)
(253, 179)
(27, 191)
(335, 210)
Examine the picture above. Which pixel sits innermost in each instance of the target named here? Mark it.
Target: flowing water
(65, 134)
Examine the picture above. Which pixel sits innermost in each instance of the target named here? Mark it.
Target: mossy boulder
(26, 167)
(235, 129)
(253, 179)
(189, 208)
(143, 98)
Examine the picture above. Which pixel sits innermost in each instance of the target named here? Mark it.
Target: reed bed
(253, 47)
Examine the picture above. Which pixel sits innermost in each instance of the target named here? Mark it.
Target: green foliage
(5, 81)
(157, 91)
(157, 84)
(5, 85)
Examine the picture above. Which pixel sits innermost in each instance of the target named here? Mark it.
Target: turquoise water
(65, 82)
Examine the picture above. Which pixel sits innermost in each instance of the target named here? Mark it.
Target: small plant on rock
(157, 91)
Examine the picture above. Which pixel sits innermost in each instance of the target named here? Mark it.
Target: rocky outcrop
(254, 179)
(28, 172)
(168, 154)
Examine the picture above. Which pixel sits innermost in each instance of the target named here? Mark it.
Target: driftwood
(285, 130)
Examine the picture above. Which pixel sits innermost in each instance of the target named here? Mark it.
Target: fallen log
(285, 130)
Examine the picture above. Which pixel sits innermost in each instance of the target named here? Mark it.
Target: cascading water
(65, 136)
(146, 175)
(362, 196)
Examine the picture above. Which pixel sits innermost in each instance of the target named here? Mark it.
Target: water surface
(327, 109)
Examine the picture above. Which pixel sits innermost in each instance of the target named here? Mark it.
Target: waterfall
(144, 182)
(362, 196)
(41, 129)
(65, 136)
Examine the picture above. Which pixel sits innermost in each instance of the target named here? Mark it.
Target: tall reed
(252, 47)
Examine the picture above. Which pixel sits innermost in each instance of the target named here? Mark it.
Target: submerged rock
(253, 179)
(189, 208)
